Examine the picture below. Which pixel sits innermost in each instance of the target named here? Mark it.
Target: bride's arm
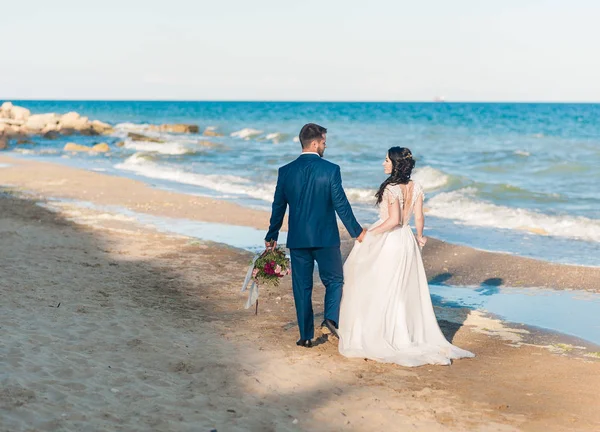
(392, 221)
(420, 220)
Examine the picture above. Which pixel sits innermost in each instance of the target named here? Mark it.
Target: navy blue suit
(312, 187)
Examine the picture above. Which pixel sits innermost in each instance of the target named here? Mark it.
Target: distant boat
(439, 99)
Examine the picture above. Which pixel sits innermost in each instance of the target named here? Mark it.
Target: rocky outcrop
(42, 123)
(8, 129)
(9, 111)
(73, 120)
(101, 148)
(3, 143)
(139, 137)
(98, 148)
(101, 127)
(211, 132)
(175, 128)
(16, 120)
(51, 135)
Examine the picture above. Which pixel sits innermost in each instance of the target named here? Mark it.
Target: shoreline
(111, 324)
(113, 218)
(445, 263)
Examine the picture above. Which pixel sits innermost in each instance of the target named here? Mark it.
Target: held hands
(421, 241)
(361, 237)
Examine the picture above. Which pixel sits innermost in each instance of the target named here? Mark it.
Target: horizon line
(302, 101)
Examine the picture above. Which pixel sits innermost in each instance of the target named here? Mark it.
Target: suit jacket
(312, 187)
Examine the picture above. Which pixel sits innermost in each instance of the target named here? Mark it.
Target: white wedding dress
(386, 312)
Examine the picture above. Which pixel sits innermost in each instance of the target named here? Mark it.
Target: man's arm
(342, 206)
(277, 213)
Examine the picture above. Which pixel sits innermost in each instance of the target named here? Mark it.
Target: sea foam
(463, 206)
(225, 184)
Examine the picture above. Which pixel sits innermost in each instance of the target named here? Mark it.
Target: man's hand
(270, 245)
(422, 241)
(361, 237)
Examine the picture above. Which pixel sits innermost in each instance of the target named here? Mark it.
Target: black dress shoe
(306, 343)
(328, 327)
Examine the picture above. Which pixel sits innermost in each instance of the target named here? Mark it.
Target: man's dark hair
(311, 132)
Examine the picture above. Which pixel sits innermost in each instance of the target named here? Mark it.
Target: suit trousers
(331, 272)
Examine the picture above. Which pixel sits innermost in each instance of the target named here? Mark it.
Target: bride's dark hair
(402, 166)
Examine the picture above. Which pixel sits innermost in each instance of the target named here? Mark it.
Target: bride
(386, 312)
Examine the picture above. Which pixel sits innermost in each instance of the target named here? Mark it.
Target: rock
(102, 128)
(23, 140)
(98, 148)
(120, 144)
(51, 127)
(12, 122)
(11, 130)
(211, 132)
(37, 122)
(73, 120)
(67, 124)
(88, 132)
(20, 113)
(76, 147)
(175, 128)
(101, 148)
(6, 107)
(139, 137)
(66, 131)
(3, 142)
(16, 113)
(51, 135)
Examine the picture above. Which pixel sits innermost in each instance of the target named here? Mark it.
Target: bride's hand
(421, 240)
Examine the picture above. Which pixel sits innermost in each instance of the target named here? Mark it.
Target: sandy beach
(109, 324)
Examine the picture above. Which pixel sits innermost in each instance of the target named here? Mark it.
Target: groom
(312, 187)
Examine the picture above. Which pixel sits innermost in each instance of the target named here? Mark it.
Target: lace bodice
(393, 193)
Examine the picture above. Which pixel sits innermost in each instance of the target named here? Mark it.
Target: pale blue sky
(515, 50)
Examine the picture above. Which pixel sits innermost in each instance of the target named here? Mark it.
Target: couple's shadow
(488, 287)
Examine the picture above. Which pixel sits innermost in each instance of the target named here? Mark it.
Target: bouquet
(266, 268)
(270, 266)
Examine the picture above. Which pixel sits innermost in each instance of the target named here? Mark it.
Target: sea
(518, 178)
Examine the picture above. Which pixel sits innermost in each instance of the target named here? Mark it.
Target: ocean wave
(564, 167)
(37, 151)
(430, 178)
(356, 195)
(462, 206)
(131, 127)
(168, 148)
(246, 133)
(226, 184)
(276, 137)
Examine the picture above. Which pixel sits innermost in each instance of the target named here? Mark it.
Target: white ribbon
(253, 288)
